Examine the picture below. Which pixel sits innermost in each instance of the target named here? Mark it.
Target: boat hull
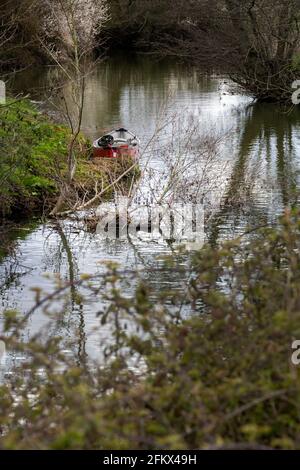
(118, 143)
(115, 152)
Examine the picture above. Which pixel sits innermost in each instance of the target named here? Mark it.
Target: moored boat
(116, 144)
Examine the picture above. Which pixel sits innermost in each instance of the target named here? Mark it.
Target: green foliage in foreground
(219, 377)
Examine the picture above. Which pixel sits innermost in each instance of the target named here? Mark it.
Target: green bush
(29, 149)
(33, 163)
(218, 376)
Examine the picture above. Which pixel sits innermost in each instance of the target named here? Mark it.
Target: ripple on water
(261, 151)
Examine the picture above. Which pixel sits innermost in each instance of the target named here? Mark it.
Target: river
(257, 169)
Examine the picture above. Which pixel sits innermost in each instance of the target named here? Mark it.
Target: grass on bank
(33, 160)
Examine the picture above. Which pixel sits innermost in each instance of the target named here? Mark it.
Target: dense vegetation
(256, 42)
(33, 161)
(218, 377)
(29, 145)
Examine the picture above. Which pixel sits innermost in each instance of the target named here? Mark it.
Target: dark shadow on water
(269, 143)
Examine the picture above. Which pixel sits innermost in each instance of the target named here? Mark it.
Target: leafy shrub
(33, 162)
(29, 148)
(220, 376)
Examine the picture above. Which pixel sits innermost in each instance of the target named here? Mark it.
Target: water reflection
(265, 173)
(260, 172)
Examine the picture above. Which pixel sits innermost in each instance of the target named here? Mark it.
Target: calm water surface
(257, 172)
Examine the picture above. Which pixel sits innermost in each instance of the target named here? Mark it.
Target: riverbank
(33, 153)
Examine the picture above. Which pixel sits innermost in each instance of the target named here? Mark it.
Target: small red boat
(117, 143)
